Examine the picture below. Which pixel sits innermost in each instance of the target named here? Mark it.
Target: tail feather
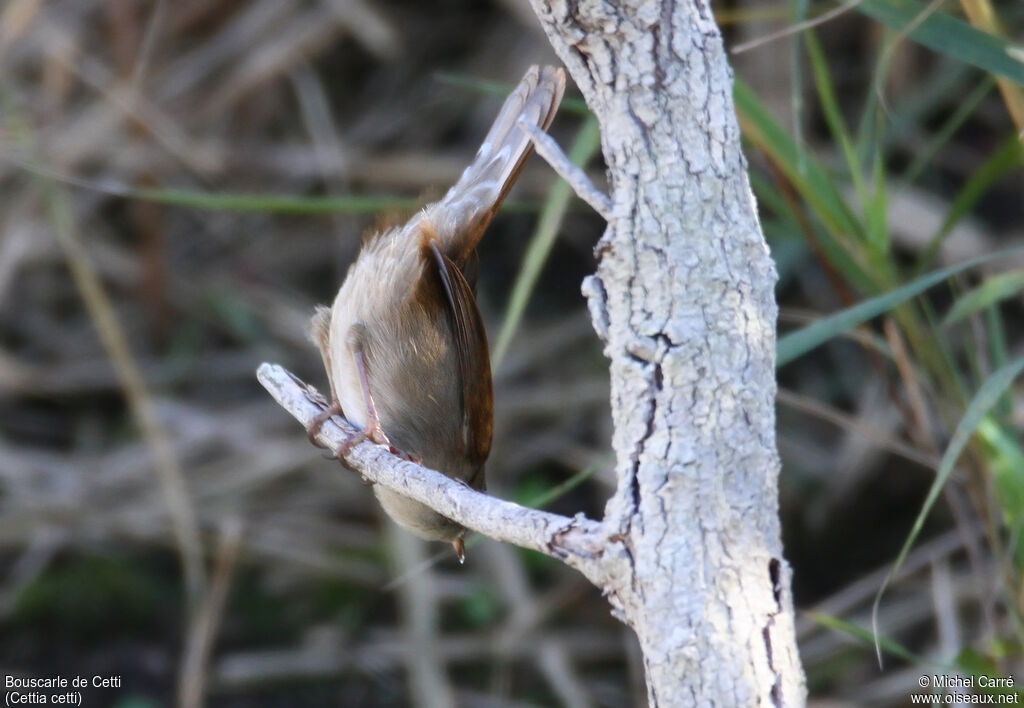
(465, 211)
(320, 334)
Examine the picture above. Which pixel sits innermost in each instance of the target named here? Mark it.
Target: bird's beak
(460, 549)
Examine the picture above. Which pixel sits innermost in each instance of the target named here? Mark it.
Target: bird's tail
(467, 208)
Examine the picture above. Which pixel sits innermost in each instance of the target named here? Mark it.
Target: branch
(577, 541)
(548, 148)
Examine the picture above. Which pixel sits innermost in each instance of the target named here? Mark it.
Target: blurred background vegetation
(181, 182)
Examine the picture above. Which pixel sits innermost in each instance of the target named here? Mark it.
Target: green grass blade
(965, 108)
(1007, 468)
(833, 114)
(770, 199)
(280, 204)
(910, 112)
(197, 199)
(877, 213)
(999, 348)
(547, 497)
(1007, 157)
(835, 227)
(585, 146)
(798, 343)
(266, 203)
(986, 397)
(805, 173)
(864, 635)
(993, 290)
(947, 35)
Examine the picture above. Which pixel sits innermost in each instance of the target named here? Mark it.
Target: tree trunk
(683, 299)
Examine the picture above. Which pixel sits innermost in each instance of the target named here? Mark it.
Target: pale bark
(689, 552)
(683, 298)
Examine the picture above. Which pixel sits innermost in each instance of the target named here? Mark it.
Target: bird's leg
(371, 430)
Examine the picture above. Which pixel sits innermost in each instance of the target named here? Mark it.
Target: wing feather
(473, 360)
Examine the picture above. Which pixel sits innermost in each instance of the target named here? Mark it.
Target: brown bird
(404, 345)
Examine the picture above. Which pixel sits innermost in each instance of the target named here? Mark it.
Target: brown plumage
(404, 346)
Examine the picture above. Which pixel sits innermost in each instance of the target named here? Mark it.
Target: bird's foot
(372, 432)
(322, 417)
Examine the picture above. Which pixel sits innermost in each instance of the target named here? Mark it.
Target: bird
(404, 344)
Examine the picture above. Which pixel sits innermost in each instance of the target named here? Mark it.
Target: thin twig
(585, 189)
(793, 29)
(921, 428)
